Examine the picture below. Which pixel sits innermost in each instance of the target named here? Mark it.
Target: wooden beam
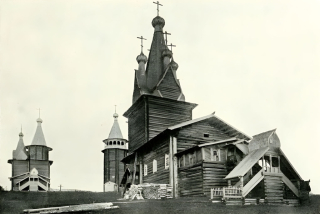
(171, 161)
(134, 168)
(175, 169)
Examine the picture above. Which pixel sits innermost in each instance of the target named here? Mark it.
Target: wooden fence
(226, 192)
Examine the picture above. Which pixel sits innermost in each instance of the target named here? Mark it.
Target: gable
(202, 130)
(168, 87)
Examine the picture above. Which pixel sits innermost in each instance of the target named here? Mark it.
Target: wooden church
(31, 164)
(115, 149)
(198, 157)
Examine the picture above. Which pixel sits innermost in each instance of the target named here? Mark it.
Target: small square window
(206, 135)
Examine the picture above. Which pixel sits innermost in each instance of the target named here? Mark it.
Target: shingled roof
(38, 138)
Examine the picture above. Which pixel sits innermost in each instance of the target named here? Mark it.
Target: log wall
(190, 180)
(273, 189)
(214, 173)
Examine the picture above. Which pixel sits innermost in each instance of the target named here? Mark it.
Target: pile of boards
(73, 208)
(149, 191)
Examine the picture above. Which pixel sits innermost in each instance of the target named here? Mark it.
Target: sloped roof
(215, 121)
(261, 140)
(243, 148)
(19, 153)
(38, 138)
(115, 130)
(286, 160)
(247, 163)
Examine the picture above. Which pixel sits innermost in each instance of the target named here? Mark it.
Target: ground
(16, 202)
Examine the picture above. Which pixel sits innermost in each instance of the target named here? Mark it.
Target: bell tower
(115, 149)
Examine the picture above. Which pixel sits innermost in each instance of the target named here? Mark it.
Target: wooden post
(141, 173)
(241, 185)
(171, 162)
(134, 168)
(279, 164)
(270, 163)
(203, 154)
(175, 169)
(263, 163)
(229, 183)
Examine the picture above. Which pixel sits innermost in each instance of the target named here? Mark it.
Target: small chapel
(205, 156)
(31, 164)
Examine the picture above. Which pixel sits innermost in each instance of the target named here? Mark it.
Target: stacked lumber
(214, 173)
(234, 201)
(73, 208)
(133, 193)
(251, 201)
(274, 189)
(149, 191)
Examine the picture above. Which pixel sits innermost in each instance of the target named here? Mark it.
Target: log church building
(31, 164)
(203, 156)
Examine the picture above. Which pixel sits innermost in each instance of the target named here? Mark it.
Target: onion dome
(20, 134)
(158, 21)
(142, 58)
(115, 115)
(174, 65)
(166, 52)
(39, 120)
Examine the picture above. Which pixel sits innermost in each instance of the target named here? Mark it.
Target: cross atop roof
(166, 33)
(171, 45)
(157, 3)
(141, 38)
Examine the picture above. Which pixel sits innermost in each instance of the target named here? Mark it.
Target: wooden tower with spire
(31, 164)
(115, 149)
(158, 101)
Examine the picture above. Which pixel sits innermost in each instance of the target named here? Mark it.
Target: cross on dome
(166, 33)
(141, 38)
(157, 3)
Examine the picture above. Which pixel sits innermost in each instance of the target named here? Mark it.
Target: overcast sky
(255, 63)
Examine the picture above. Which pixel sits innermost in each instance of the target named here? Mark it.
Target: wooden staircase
(273, 188)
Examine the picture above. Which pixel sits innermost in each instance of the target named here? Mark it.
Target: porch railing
(227, 192)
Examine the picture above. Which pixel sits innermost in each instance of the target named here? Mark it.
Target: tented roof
(115, 131)
(38, 138)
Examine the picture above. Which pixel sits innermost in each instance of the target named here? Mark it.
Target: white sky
(255, 63)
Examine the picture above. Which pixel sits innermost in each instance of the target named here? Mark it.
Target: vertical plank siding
(169, 87)
(136, 126)
(156, 153)
(164, 113)
(197, 130)
(150, 115)
(43, 167)
(113, 168)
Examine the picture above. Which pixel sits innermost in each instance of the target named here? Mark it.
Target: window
(215, 154)
(154, 168)
(206, 135)
(166, 161)
(145, 169)
(114, 142)
(118, 142)
(181, 161)
(190, 159)
(122, 143)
